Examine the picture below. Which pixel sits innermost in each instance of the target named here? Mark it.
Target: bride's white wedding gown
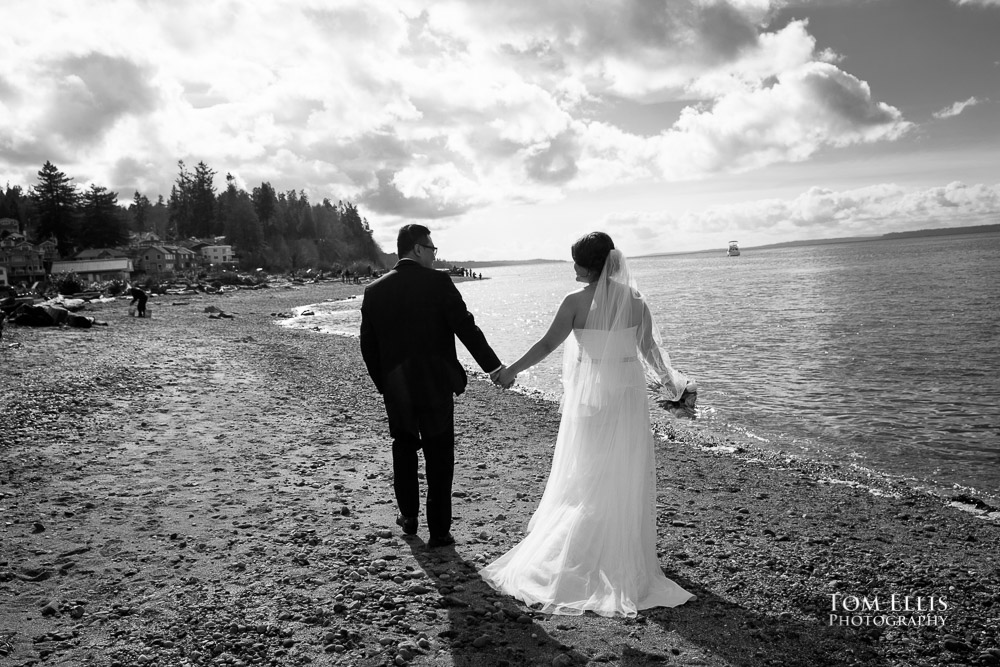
(591, 544)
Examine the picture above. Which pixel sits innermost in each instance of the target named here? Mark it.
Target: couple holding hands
(591, 543)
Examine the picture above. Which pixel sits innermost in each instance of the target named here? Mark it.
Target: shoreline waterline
(708, 434)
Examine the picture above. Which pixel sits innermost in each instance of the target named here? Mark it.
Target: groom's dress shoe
(440, 541)
(407, 523)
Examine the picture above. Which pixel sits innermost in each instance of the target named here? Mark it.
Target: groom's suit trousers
(428, 427)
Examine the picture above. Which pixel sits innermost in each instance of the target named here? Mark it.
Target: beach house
(96, 270)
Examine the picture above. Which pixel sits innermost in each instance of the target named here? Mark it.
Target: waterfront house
(96, 270)
(218, 255)
(9, 225)
(185, 259)
(154, 259)
(24, 261)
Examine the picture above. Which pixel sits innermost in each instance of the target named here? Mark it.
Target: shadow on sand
(486, 629)
(735, 635)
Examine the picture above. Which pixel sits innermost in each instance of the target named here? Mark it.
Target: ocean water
(881, 353)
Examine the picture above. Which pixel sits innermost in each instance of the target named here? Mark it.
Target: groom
(409, 320)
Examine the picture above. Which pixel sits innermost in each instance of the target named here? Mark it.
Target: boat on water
(734, 249)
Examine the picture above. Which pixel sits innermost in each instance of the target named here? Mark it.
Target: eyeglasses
(432, 248)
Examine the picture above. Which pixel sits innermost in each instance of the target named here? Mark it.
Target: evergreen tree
(181, 204)
(306, 222)
(280, 255)
(102, 225)
(207, 221)
(265, 204)
(14, 205)
(159, 218)
(192, 202)
(303, 254)
(287, 224)
(55, 198)
(140, 213)
(240, 223)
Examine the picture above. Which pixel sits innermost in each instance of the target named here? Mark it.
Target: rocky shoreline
(197, 489)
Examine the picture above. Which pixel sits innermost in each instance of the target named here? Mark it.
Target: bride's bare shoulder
(582, 295)
(578, 302)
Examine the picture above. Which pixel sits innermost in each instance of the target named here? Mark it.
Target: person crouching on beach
(139, 299)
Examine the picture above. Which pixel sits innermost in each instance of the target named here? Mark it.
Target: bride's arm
(562, 325)
(647, 344)
(671, 381)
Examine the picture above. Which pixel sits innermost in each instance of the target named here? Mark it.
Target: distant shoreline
(940, 231)
(892, 236)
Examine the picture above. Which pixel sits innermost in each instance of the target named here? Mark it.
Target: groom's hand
(506, 379)
(502, 377)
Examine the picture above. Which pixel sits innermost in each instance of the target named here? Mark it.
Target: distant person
(139, 299)
(591, 543)
(409, 320)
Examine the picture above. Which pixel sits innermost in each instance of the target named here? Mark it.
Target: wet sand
(192, 490)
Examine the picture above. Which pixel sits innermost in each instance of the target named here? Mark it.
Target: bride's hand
(506, 378)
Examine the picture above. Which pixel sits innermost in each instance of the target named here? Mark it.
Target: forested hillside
(276, 231)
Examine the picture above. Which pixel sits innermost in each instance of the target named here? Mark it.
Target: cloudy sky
(510, 128)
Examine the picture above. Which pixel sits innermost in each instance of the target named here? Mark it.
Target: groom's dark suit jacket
(409, 320)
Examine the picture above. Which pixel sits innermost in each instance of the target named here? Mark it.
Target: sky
(511, 128)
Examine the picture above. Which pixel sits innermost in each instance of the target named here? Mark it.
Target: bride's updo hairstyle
(591, 251)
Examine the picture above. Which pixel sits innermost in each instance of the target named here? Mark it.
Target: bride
(591, 544)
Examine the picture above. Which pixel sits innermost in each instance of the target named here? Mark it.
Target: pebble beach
(209, 488)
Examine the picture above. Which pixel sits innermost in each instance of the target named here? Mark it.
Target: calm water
(883, 353)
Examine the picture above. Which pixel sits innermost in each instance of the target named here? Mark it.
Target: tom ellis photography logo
(888, 610)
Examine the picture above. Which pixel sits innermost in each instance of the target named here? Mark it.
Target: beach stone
(481, 641)
(956, 646)
(562, 660)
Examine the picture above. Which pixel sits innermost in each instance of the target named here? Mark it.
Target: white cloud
(417, 108)
(956, 108)
(982, 3)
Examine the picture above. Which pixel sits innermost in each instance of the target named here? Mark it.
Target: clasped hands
(503, 377)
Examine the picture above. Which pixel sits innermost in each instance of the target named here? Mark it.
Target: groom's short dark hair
(409, 236)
